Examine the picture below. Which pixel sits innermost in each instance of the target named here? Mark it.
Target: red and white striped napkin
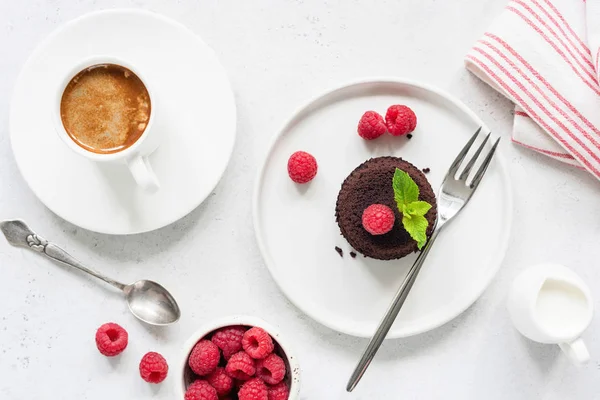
(543, 55)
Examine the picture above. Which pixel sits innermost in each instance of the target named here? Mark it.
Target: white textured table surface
(278, 54)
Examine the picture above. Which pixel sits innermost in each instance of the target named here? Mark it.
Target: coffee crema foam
(105, 108)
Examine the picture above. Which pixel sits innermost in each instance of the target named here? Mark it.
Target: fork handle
(390, 315)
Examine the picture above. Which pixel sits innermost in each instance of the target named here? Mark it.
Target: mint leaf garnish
(405, 189)
(418, 208)
(416, 226)
(406, 194)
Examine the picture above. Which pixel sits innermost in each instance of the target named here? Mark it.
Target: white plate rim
(401, 333)
(165, 19)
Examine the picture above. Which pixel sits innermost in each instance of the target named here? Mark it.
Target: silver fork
(454, 194)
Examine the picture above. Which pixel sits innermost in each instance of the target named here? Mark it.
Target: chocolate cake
(371, 183)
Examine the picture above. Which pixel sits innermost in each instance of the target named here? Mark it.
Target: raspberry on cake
(400, 120)
(371, 183)
(371, 125)
(378, 219)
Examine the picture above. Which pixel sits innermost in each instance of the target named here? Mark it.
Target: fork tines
(469, 166)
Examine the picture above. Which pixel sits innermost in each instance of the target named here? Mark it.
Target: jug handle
(576, 351)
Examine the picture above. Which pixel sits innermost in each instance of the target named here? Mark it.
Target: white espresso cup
(549, 303)
(135, 157)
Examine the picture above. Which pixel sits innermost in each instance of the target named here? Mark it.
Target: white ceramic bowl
(291, 362)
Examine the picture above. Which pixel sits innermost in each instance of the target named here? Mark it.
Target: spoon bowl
(151, 303)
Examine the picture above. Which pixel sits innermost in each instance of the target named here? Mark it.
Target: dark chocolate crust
(371, 183)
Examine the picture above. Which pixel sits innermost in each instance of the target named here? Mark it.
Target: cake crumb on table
(339, 251)
(426, 170)
(352, 254)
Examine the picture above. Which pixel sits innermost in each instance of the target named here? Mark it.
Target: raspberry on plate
(240, 366)
(254, 389)
(302, 167)
(257, 343)
(229, 340)
(278, 392)
(378, 219)
(111, 339)
(204, 357)
(400, 120)
(371, 125)
(271, 369)
(153, 368)
(201, 390)
(222, 382)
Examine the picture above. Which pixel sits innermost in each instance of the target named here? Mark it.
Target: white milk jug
(549, 303)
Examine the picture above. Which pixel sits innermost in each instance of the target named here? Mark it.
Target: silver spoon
(147, 300)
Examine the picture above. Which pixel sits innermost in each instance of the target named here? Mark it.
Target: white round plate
(195, 113)
(296, 229)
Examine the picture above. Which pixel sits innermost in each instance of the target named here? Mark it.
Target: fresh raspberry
(204, 358)
(254, 389)
(201, 390)
(257, 342)
(279, 391)
(378, 219)
(111, 339)
(240, 366)
(400, 120)
(153, 368)
(302, 167)
(229, 340)
(222, 382)
(271, 369)
(371, 125)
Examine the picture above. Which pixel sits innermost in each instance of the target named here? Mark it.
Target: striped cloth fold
(543, 55)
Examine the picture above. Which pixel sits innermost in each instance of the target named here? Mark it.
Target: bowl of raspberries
(238, 358)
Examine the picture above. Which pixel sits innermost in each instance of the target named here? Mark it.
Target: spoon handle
(19, 234)
(56, 253)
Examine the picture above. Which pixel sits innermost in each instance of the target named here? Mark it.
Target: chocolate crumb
(352, 254)
(409, 136)
(339, 251)
(426, 170)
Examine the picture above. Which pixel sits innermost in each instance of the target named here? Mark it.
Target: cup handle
(576, 351)
(143, 174)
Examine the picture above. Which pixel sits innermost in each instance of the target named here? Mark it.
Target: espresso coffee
(105, 108)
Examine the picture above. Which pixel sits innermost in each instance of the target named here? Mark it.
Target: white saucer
(195, 113)
(297, 232)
